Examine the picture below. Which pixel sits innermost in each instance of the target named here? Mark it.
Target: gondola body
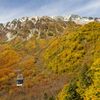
(20, 80)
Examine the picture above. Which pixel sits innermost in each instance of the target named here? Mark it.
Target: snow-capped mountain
(39, 27)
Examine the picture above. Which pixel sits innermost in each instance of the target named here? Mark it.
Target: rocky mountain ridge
(39, 27)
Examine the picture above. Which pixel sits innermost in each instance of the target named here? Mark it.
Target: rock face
(39, 27)
(25, 28)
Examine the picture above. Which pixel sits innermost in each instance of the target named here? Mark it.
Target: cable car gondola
(19, 81)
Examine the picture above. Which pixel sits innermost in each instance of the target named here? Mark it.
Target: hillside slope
(70, 59)
(78, 53)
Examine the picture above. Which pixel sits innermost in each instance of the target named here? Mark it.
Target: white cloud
(50, 9)
(58, 7)
(9, 16)
(89, 9)
(54, 8)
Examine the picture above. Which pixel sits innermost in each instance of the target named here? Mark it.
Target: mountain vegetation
(85, 85)
(59, 60)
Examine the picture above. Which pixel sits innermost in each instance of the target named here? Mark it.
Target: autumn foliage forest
(64, 66)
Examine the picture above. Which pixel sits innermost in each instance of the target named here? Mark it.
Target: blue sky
(11, 9)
